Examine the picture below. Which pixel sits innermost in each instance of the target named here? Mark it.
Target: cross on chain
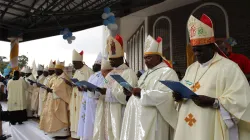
(196, 86)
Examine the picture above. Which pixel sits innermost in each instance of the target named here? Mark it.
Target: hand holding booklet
(122, 82)
(179, 88)
(88, 85)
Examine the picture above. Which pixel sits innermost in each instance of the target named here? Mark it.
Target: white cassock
(17, 95)
(222, 79)
(76, 99)
(88, 108)
(115, 101)
(42, 95)
(35, 100)
(153, 116)
(29, 93)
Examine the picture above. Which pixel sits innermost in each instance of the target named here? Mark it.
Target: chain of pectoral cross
(196, 85)
(148, 75)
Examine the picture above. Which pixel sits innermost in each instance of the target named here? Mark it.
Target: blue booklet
(179, 88)
(74, 80)
(88, 85)
(122, 82)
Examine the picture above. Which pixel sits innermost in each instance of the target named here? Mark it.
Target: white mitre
(99, 59)
(28, 70)
(77, 56)
(40, 67)
(59, 65)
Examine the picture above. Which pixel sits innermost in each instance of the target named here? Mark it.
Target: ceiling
(34, 19)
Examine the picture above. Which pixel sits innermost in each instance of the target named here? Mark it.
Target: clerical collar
(162, 64)
(121, 67)
(203, 65)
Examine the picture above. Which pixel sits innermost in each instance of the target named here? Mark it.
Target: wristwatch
(216, 104)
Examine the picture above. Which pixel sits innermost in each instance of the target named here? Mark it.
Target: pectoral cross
(196, 86)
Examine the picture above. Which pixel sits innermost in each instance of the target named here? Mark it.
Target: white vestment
(88, 108)
(16, 95)
(76, 98)
(42, 95)
(153, 116)
(29, 93)
(115, 101)
(221, 79)
(35, 96)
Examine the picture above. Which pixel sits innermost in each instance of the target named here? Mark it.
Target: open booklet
(77, 83)
(38, 84)
(122, 82)
(88, 85)
(179, 88)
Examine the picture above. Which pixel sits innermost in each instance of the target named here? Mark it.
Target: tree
(22, 61)
(3, 65)
(2, 58)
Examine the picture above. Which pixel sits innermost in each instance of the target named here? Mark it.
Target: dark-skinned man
(35, 95)
(57, 123)
(46, 97)
(30, 90)
(220, 110)
(150, 113)
(243, 62)
(89, 102)
(115, 98)
(83, 72)
(99, 125)
(42, 91)
(17, 99)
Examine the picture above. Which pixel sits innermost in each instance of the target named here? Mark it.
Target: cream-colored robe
(153, 116)
(225, 81)
(57, 116)
(29, 93)
(115, 101)
(35, 96)
(47, 99)
(16, 95)
(76, 98)
(42, 95)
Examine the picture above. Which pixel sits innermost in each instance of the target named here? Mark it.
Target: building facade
(169, 21)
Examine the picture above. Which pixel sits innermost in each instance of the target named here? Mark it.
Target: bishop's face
(77, 64)
(203, 53)
(152, 60)
(58, 72)
(51, 72)
(39, 73)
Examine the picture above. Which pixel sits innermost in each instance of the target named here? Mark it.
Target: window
(162, 27)
(136, 44)
(141, 50)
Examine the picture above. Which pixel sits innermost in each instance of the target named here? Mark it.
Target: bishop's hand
(49, 90)
(103, 91)
(203, 101)
(177, 97)
(126, 92)
(136, 92)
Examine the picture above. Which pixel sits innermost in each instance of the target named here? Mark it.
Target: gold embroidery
(190, 120)
(196, 86)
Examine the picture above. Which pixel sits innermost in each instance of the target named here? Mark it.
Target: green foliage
(22, 61)
(3, 65)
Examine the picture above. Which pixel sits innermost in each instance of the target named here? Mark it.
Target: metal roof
(34, 19)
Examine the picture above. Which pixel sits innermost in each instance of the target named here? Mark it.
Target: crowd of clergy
(219, 110)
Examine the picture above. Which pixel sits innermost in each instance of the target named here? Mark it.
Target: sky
(56, 48)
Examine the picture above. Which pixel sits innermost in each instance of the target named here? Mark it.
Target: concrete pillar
(14, 44)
